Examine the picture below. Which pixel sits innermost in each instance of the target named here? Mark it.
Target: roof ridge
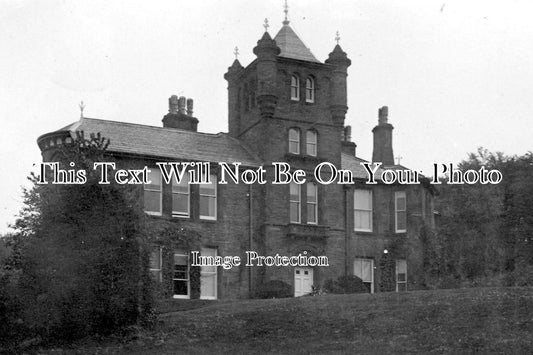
(149, 126)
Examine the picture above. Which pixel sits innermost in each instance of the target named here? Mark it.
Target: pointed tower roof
(292, 46)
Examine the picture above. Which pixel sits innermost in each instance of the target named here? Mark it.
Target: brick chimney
(383, 139)
(348, 147)
(179, 114)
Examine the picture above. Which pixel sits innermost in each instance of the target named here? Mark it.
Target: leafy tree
(485, 229)
(80, 252)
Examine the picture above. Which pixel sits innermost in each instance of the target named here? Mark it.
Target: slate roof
(353, 163)
(169, 143)
(292, 46)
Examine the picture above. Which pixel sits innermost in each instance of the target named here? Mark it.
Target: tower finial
(337, 37)
(236, 52)
(266, 25)
(82, 107)
(286, 11)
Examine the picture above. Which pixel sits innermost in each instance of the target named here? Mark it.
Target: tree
(485, 229)
(80, 251)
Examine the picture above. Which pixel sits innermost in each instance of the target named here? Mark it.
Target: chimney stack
(179, 115)
(347, 146)
(383, 139)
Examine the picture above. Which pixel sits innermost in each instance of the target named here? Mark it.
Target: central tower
(287, 104)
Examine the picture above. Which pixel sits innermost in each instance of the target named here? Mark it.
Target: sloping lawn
(482, 320)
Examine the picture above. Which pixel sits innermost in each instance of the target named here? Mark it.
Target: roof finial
(266, 25)
(236, 52)
(82, 107)
(337, 37)
(399, 158)
(286, 11)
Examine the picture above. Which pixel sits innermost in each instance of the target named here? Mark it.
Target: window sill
(156, 214)
(181, 216)
(208, 220)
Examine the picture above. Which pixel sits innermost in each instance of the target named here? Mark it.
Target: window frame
(204, 274)
(174, 278)
(310, 90)
(398, 282)
(356, 210)
(188, 194)
(295, 88)
(314, 144)
(314, 204)
(297, 141)
(397, 211)
(160, 191)
(213, 183)
(297, 202)
(361, 260)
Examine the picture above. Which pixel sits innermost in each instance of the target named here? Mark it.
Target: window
(362, 210)
(312, 210)
(401, 275)
(295, 200)
(153, 194)
(208, 199)
(310, 143)
(208, 277)
(156, 263)
(309, 90)
(180, 278)
(294, 141)
(364, 269)
(295, 88)
(181, 197)
(400, 208)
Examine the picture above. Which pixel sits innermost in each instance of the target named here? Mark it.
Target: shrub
(11, 328)
(273, 289)
(346, 284)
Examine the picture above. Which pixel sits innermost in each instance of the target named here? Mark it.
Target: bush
(273, 289)
(346, 284)
(11, 328)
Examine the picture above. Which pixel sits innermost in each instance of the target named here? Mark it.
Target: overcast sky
(455, 74)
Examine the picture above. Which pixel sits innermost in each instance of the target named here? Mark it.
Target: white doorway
(303, 281)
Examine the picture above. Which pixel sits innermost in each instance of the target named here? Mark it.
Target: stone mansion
(284, 106)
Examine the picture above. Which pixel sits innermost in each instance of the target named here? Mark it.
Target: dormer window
(295, 88)
(294, 141)
(311, 143)
(309, 90)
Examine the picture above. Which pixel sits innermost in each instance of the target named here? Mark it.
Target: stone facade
(284, 91)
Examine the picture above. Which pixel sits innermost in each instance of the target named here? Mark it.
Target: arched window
(294, 141)
(311, 143)
(295, 88)
(309, 90)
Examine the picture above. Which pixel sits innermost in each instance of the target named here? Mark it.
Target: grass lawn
(480, 320)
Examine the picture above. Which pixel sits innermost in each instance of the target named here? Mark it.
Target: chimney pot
(181, 104)
(383, 114)
(348, 133)
(173, 104)
(190, 104)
